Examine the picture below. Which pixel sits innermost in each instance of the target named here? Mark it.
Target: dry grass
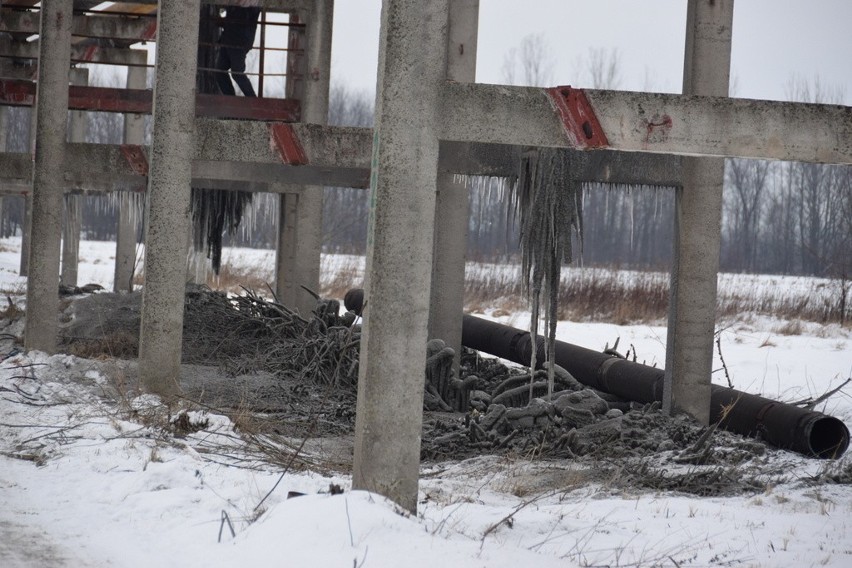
(122, 345)
(629, 297)
(233, 279)
(590, 294)
(792, 327)
(335, 283)
(11, 312)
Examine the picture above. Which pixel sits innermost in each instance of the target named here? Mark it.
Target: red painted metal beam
(578, 117)
(16, 92)
(135, 156)
(285, 141)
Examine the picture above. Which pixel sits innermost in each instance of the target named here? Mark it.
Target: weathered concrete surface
(698, 221)
(412, 67)
(83, 25)
(73, 221)
(73, 207)
(169, 197)
(298, 262)
(653, 122)
(51, 116)
(452, 203)
(26, 227)
(128, 219)
(339, 157)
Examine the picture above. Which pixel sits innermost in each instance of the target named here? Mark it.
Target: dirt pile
(314, 363)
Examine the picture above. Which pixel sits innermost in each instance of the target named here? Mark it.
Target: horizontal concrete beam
(604, 166)
(229, 154)
(111, 27)
(79, 53)
(655, 123)
(238, 154)
(248, 141)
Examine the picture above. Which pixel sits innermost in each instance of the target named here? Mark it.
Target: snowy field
(86, 481)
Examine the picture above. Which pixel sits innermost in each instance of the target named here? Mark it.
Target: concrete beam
(412, 68)
(602, 166)
(51, 116)
(452, 205)
(110, 27)
(337, 157)
(698, 220)
(686, 125)
(168, 203)
(79, 53)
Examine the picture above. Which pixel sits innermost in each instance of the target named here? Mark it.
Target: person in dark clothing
(236, 40)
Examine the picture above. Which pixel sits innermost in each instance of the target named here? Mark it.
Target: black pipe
(780, 424)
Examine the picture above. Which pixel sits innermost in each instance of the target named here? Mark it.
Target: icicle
(547, 203)
(214, 212)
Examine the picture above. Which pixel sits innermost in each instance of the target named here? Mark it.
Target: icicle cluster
(548, 204)
(214, 212)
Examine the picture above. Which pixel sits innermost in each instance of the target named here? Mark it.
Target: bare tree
(346, 210)
(604, 68)
(533, 59)
(745, 190)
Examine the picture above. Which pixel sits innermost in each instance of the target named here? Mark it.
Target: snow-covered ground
(89, 482)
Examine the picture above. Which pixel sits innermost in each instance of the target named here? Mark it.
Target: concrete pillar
(412, 68)
(300, 218)
(51, 116)
(27, 214)
(168, 199)
(128, 217)
(73, 206)
(26, 223)
(4, 127)
(4, 130)
(698, 214)
(452, 205)
(71, 239)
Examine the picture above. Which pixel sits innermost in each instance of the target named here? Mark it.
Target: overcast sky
(774, 41)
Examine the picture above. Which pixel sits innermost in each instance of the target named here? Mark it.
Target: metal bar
(261, 59)
(578, 117)
(287, 144)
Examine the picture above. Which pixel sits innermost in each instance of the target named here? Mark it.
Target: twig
(724, 366)
(811, 404)
(226, 518)
(522, 505)
(349, 522)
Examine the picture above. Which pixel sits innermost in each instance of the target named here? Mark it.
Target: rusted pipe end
(827, 437)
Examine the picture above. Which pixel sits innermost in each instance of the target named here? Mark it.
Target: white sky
(774, 41)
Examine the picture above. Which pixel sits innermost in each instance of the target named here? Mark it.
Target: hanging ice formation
(215, 211)
(547, 204)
